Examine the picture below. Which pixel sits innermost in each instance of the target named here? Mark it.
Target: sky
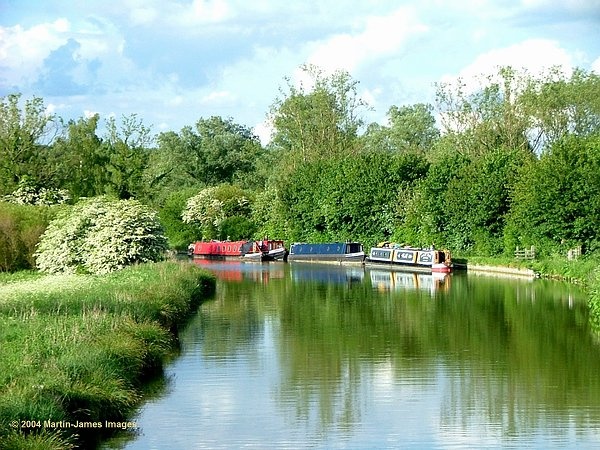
(173, 62)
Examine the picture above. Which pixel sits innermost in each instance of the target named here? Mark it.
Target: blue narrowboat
(330, 252)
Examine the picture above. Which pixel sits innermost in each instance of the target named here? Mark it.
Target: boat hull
(250, 251)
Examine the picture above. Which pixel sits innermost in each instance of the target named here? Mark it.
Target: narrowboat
(265, 250)
(331, 252)
(424, 259)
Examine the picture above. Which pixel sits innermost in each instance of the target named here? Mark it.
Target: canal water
(289, 356)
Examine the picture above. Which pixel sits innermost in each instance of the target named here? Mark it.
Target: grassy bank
(580, 271)
(75, 348)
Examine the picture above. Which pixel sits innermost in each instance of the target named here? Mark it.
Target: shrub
(100, 236)
(178, 233)
(20, 229)
(211, 206)
(29, 193)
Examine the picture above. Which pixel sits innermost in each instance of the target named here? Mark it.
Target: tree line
(512, 160)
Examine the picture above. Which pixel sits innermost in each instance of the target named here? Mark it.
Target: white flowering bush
(213, 205)
(99, 236)
(27, 193)
(205, 210)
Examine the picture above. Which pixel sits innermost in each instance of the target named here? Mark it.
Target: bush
(30, 193)
(236, 228)
(178, 233)
(100, 236)
(211, 206)
(20, 229)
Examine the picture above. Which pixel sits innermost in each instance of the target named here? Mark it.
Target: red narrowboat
(265, 250)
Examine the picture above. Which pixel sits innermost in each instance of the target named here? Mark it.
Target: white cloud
(264, 131)
(89, 114)
(218, 97)
(596, 66)
(143, 15)
(535, 56)
(199, 12)
(22, 51)
(381, 36)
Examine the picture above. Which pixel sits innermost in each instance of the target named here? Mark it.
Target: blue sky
(173, 62)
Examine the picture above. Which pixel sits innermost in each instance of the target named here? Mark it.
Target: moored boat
(265, 250)
(426, 259)
(330, 252)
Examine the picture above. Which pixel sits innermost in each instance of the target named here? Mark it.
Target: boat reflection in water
(326, 273)
(389, 280)
(301, 272)
(241, 271)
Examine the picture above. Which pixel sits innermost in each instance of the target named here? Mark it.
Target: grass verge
(76, 348)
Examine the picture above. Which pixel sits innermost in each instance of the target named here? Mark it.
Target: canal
(308, 356)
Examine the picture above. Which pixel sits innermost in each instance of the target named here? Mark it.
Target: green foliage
(20, 229)
(317, 121)
(487, 117)
(350, 198)
(216, 151)
(560, 105)
(178, 233)
(462, 203)
(25, 132)
(411, 128)
(236, 228)
(211, 206)
(556, 201)
(100, 236)
(126, 149)
(268, 212)
(81, 159)
(425, 214)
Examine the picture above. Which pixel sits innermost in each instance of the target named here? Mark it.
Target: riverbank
(579, 271)
(76, 348)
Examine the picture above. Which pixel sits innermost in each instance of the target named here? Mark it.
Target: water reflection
(240, 271)
(386, 280)
(290, 356)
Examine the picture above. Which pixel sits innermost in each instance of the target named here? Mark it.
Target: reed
(77, 347)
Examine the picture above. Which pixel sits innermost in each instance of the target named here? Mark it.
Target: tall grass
(20, 229)
(77, 347)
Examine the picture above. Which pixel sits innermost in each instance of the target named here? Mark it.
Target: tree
(25, 135)
(348, 198)
(561, 105)
(228, 150)
(410, 128)
(486, 118)
(477, 201)
(178, 233)
(320, 121)
(215, 151)
(556, 200)
(127, 152)
(81, 159)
